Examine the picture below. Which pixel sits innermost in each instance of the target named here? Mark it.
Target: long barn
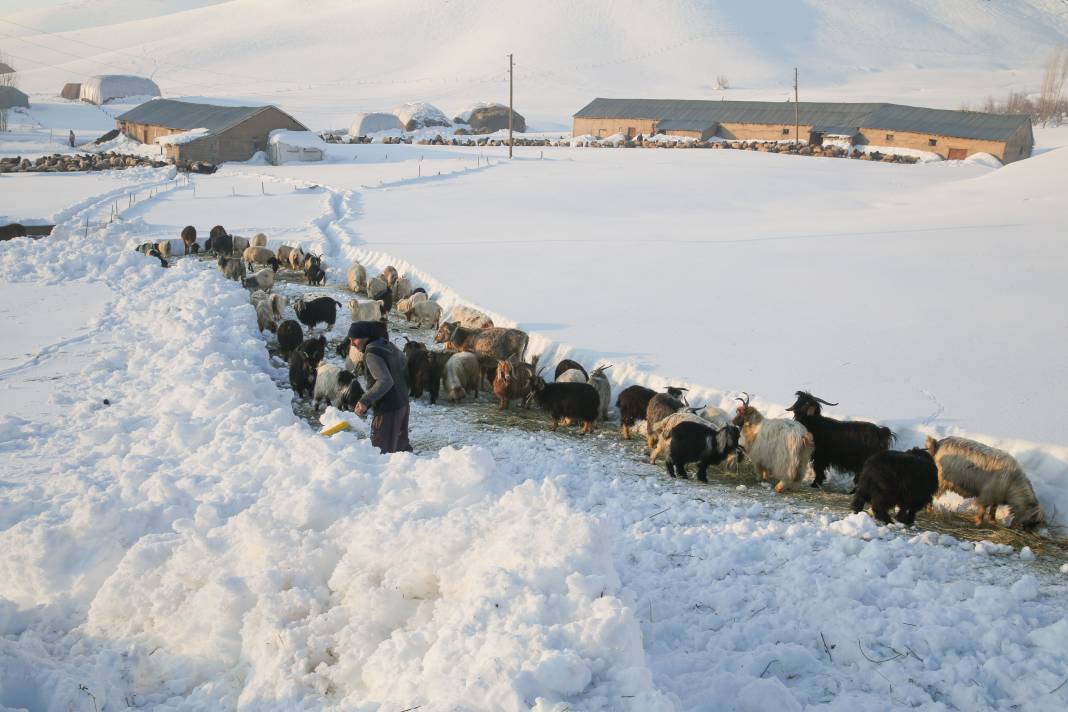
(190, 131)
(950, 134)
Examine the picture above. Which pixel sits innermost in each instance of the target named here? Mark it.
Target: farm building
(950, 134)
(107, 87)
(205, 132)
(11, 98)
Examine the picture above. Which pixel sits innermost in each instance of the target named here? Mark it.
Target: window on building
(889, 137)
(932, 142)
(601, 133)
(786, 132)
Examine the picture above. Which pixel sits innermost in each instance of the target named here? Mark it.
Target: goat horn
(824, 402)
(744, 400)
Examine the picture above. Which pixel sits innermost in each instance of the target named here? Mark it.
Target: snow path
(196, 546)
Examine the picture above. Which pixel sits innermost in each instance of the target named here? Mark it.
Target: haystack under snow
(367, 124)
(107, 87)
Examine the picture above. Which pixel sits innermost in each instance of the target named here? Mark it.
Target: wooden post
(797, 121)
(511, 66)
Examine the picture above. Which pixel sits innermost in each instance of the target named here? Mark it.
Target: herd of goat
(478, 356)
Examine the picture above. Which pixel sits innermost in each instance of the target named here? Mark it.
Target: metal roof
(185, 115)
(962, 124)
(10, 97)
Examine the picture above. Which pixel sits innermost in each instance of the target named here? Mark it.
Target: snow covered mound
(109, 87)
(420, 115)
(367, 124)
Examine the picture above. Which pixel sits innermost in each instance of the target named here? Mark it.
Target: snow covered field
(175, 535)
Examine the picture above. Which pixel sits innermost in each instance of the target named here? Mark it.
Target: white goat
(779, 448)
(462, 374)
(366, 310)
(470, 318)
(426, 314)
(603, 387)
(357, 278)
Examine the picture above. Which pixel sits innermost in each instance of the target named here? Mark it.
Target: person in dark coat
(387, 394)
(71, 138)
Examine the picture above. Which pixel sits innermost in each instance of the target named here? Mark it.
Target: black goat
(290, 335)
(906, 480)
(438, 359)
(566, 365)
(694, 442)
(320, 309)
(302, 373)
(219, 241)
(386, 297)
(575, 401)
(313, 349)
(845, 445)
(420, 369)
(314, 274)
(351, 391)
(632, 403)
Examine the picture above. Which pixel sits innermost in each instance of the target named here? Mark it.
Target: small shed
(367, 124)
(107, 87)
(487, 119)
(294, 146)
(72, 91)
(11, 98)
(205, 132)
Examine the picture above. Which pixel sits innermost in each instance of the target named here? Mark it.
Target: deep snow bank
(195, 545)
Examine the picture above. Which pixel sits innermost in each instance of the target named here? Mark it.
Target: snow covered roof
(963, 124)
(366, 124)
(187, 116)
(105, 87)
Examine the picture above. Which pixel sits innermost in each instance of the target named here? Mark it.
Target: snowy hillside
(930, 52)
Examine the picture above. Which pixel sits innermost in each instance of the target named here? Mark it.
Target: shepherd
(387, 393)
(71, 138)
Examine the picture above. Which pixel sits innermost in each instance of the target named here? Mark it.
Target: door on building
(631, 132)
(958, 154)
(815, 138)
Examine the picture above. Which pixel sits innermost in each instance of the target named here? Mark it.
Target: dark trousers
(389, 430)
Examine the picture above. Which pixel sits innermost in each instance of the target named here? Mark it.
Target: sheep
(219, 241)
(470, 318)
(10, 232)
(366, 310)
(257, 296)
(402, 289)
(569, 365)
(239, 244)
(425, 314)
(264, 279)
(264, 318)
(285, 255)
(296, 258)
(377, 285)
(389, 276)
(352, 355)
(337, 387)
(906, 480)
(301, 373)
(315, 275)
(232, 268)
(632, 403)
(278, 304)
(660, 406)
(572, 401)
(843, 445)
(496, 342)
(405, 305)
(290, 336)
(697, 442)
(462, 374)
(572, 375)
(357, 278)
(164, 247)
(513, 380)
(320, 309)
(189, 237)
(258, 240)
(604, 389)
(779, 448)
(993, 477)
(260, 256)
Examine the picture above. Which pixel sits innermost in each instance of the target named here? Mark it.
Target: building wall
(236, 143)
(921, 142)
(609, 127)
(762, 132)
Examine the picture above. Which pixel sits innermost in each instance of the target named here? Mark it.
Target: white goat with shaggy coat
(425, 314)
(366, 309)
(779, 448)
(462, 374)
(470, 318)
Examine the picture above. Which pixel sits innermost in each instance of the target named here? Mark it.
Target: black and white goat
(695, 442)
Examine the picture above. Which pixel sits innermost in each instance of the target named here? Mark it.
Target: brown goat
(513, 380)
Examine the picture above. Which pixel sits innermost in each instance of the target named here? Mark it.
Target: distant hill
(325, 60)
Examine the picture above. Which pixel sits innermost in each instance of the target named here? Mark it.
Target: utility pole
(797, 121)
(511, 110)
